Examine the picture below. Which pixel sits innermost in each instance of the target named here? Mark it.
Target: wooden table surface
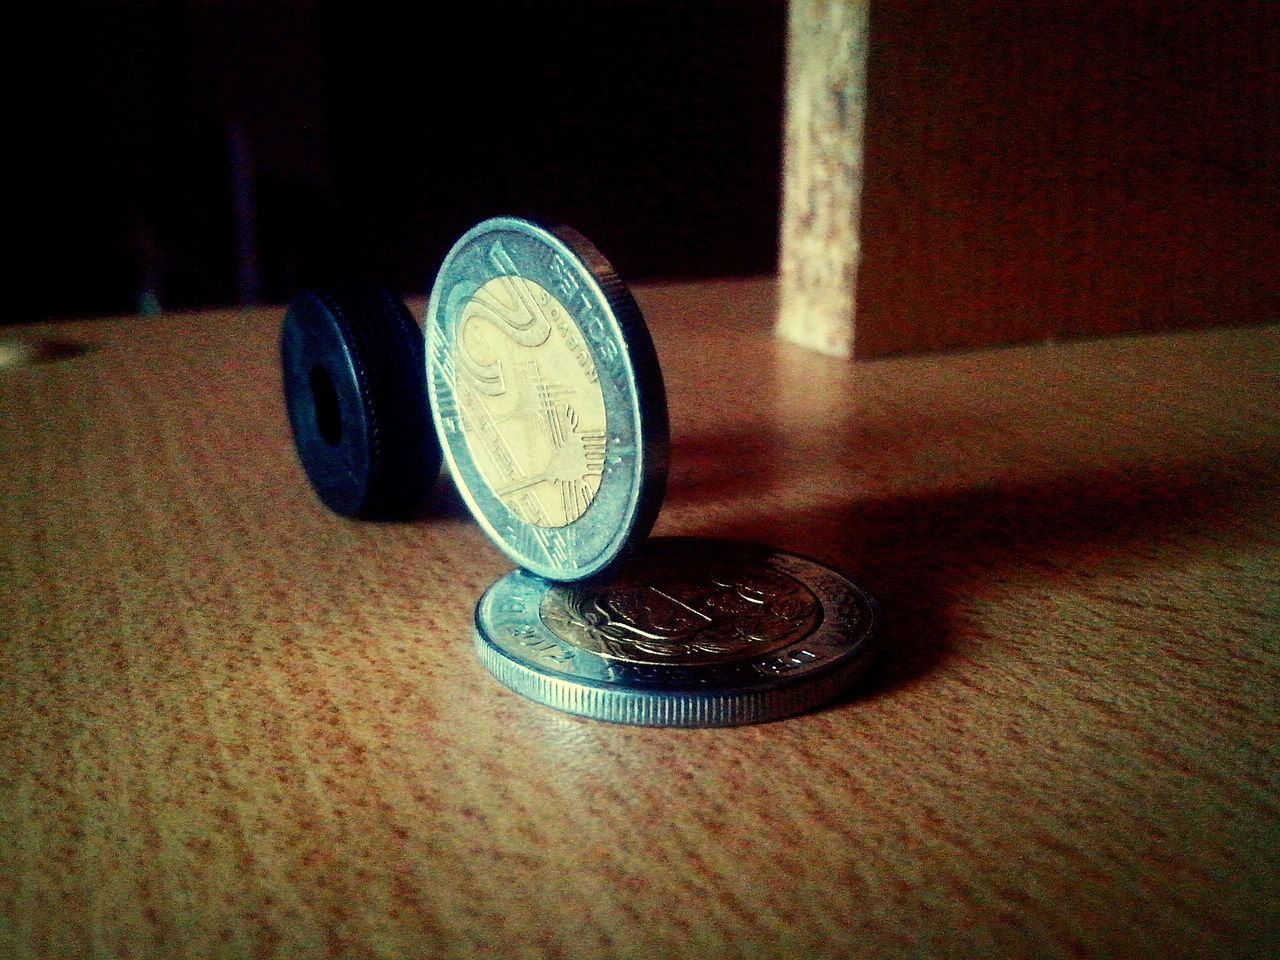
(236, 725)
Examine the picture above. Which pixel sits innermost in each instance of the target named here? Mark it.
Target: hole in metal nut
(328, 412)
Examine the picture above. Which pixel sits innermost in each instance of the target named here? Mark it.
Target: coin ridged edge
(668, 708)
(653, 427)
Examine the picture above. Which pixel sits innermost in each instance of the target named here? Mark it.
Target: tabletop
(237, 725)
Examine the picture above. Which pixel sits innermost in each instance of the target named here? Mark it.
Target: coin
(547, 396)
(682, 633)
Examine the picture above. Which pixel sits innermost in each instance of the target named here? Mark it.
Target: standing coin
(547, 396)
(683, 633)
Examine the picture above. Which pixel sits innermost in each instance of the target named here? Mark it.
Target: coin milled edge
(857, 614)
(664, 708)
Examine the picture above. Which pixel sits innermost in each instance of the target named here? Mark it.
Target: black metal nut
(355, 389)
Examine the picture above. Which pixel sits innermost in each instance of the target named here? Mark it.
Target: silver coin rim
(647, 416)
(713, 702)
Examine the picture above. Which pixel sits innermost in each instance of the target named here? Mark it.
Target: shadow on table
(707, 469)
(30, 352)
(445, 502)
(925, 556)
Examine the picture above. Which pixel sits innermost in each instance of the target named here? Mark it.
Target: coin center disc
(533, 412)
(684, 613)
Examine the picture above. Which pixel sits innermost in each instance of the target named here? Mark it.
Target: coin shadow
(926, 558)
(445, 502)
(712, 466)
(723, 465)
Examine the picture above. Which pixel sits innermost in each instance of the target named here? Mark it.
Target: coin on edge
(547, 396)
(682, 633)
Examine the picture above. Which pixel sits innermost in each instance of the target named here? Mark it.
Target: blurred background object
(1032, 170)
(1044, 170)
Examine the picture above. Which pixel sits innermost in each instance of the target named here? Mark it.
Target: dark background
(369, 136)
(1032, 168)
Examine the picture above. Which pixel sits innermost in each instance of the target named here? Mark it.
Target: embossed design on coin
(546, 396)
(685, 632)
(685, 612)
(531, 401)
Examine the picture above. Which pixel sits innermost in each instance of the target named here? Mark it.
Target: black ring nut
(356, 393)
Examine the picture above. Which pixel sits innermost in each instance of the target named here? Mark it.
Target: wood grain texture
(236, 725)
(822, 173)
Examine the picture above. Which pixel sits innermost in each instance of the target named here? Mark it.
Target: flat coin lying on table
(546, 396)
(682, 633)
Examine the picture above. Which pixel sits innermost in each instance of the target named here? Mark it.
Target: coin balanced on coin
(548, 402)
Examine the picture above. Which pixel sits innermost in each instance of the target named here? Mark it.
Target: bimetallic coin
(547, 396)
(682, 633)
